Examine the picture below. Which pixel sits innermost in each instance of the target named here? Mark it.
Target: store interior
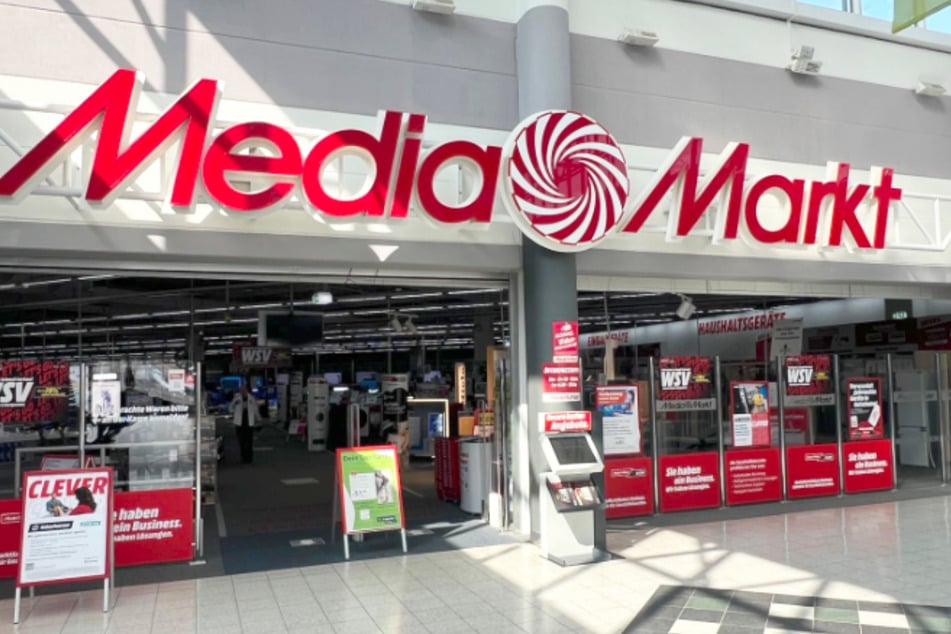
(158, 339)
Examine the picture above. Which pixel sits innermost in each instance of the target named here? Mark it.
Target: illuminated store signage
(560, 175)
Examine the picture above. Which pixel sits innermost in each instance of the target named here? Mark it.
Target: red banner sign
(752, 475)
(33, 391)
(566, 421)
(628, 487)
(689, 481)
(686, 384)
(153, 526)
(564, 341)
(149, 527)
(809, 381)
(561, 382)
(812, 471)
(10, 521)
(864, 408)
(868, 466)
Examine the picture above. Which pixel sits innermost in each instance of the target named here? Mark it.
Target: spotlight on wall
(686, 308)
(930, 89)
(803, 61)
(638, 37)
(435, 6)
(395, 324)
(410, 327)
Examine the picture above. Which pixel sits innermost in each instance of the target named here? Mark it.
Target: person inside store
(244, 412)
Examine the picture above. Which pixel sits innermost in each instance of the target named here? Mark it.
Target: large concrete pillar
(548, 282)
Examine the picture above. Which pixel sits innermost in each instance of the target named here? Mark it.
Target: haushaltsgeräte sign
(536, 172)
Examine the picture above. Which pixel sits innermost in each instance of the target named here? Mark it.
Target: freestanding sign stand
(370, 492)
(66, 530)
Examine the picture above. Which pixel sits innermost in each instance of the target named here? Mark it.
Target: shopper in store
(244, 412)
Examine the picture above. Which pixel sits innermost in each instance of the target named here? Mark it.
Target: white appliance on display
(318, 413)
(916, 406)
(475, 459)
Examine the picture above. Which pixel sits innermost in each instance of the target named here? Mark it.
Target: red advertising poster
(812, 471)
(9, 537)
(620, 418)
(749, 413)
(566, 421)
(868, 465)
(564, 341)
(689, 481)
(561, 382)
(33, 391)
(752, 475)
(686, 384)
(628, 487)
(864, 408)
(809, 381)
(66, 526)
(153, 526)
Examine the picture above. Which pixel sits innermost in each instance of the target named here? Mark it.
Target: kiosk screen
(572, 450)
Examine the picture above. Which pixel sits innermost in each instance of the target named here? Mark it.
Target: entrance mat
(686, 610)
(255, 553)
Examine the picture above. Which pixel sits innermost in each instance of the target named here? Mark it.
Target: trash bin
(474, 462)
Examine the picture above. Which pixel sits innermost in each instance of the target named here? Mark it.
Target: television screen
(333, 378)
(297, 329)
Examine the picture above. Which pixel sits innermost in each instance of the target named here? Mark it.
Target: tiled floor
(848, 563)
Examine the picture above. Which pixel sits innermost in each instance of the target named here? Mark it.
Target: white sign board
(786, 338)
(106, 401)
(67, 520)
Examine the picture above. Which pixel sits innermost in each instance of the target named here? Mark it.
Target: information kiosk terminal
(567, 511)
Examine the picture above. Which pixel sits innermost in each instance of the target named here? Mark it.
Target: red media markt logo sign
(565, 181)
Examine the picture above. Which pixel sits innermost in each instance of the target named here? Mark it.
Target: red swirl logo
(566, 182)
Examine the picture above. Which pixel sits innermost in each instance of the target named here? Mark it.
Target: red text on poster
(33, 391)
(749, 413)
(628, 487)
(864, 408)
(812, 471)
(868, 465)
(153, 526)
(689, 481)
(685, 384)
(808, 381)
(561, 382)
(566, 421)
(752, 475)
(564, 341)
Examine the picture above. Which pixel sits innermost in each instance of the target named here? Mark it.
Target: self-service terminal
(568, 498)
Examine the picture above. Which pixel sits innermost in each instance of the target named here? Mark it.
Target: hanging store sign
(620, 418)
(686, 384)
(557, 422)
(809, 381)
(259, 357)
(563, 178)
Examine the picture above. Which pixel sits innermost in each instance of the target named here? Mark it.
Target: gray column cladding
(543, 64)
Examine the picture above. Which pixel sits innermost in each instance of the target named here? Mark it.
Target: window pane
(881, 9)
(940, 21)
(828, 4)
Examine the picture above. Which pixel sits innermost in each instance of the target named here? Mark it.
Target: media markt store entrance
(393, 200)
